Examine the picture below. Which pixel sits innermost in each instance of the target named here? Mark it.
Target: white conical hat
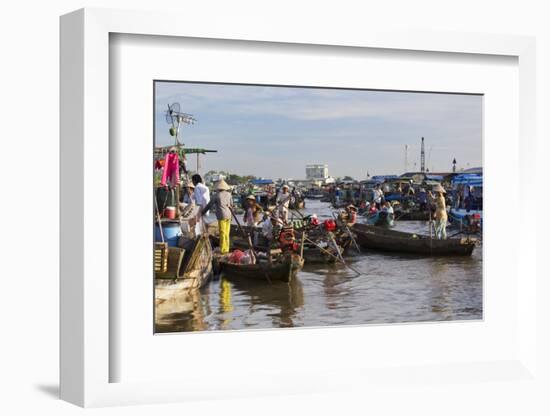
(222, 185)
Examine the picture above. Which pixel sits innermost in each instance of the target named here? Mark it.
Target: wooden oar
(340, 259)
(250, 245)
(349, 232)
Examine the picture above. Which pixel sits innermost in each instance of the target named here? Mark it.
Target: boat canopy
(470, 179)
(434, 177)
(383, 178)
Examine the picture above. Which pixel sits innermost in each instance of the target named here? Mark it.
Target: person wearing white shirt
(377, 196)
(283, 202)
(202, 193)
(202, 198)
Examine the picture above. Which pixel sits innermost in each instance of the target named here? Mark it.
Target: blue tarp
(261, 181)
(470, 179)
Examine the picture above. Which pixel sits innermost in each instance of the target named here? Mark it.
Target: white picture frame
(85, 266)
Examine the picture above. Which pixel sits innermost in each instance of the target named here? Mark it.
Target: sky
(273, 132)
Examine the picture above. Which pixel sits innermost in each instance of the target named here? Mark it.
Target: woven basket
(161, 257)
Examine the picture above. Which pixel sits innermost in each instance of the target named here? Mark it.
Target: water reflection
(184, 311)
(278, 301)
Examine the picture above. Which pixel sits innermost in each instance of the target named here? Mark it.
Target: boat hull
(382, 239)
(412, 216)
(284, 271)
(194, 274)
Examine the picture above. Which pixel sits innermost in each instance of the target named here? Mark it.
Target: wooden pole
(158, 219)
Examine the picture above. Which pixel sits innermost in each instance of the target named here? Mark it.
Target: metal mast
(422, 157)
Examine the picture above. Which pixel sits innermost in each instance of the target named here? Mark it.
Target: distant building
(212, 177)
(317, 172)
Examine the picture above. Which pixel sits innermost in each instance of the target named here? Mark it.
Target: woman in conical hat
(187, 194)
(253, 212)
(222, 201)
(222, 185)
(440, 214)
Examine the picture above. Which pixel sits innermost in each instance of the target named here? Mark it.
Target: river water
(391, 288)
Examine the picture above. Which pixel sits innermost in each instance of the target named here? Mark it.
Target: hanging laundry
(171, 172)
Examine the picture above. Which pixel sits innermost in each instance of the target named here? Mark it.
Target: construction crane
(422, 157)
(406, 158)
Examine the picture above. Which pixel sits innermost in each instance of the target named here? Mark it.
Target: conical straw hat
(222, 186)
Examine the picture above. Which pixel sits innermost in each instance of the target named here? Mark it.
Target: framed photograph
(288, 195)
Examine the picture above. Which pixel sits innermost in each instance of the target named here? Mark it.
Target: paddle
(349, 233)
(250, 245)
(340, 258)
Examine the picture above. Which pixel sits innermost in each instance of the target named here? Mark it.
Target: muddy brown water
(392, 288)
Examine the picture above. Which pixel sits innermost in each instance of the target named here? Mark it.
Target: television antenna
(176, 118)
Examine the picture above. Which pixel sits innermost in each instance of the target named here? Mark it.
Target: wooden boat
(182, 313)
(383, 239)
(188, 269)
(412, 216)
(283, 268)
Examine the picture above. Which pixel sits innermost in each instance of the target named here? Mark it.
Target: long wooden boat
(383, 239)
(187, 270)
(283, 269)
(412, 216)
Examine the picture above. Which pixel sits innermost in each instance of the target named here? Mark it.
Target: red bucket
(170, 212)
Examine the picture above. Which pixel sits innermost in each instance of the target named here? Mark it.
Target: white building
(317, 172)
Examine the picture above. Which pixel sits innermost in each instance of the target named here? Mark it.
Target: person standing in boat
(377, 196)
(283, 202)
(440, 214)
(222, 202)
(202, 193)
(253, 212)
